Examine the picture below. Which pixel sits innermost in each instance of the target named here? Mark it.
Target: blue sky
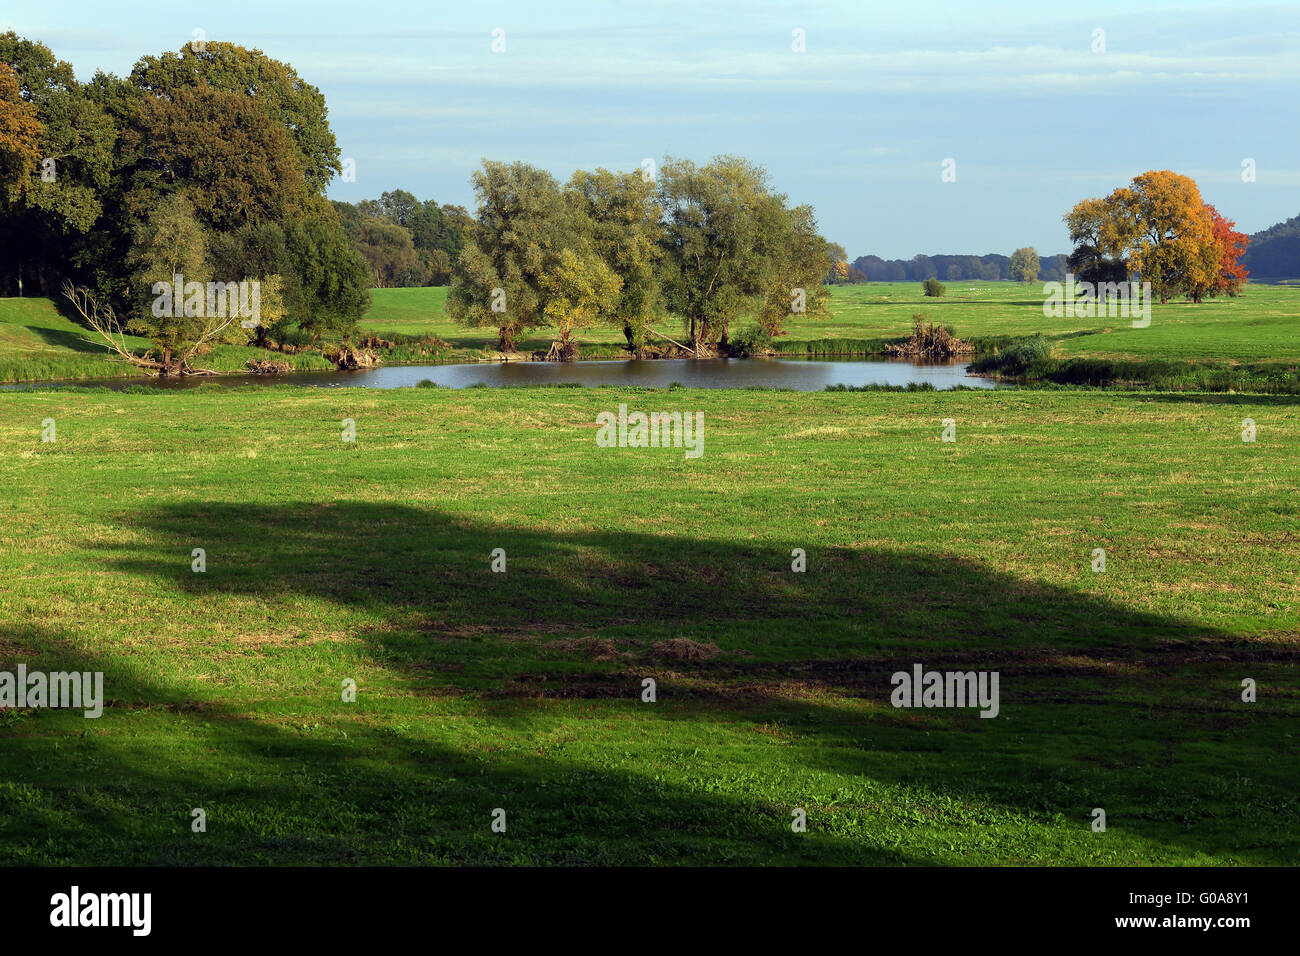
(858, 125)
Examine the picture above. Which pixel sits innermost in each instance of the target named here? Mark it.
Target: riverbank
(1249, 343)
(1028, 362)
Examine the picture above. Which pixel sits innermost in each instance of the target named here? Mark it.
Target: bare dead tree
(104, 321)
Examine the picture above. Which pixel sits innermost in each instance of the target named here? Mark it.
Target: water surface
(805, 375)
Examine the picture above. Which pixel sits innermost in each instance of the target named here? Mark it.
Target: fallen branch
(676, 343)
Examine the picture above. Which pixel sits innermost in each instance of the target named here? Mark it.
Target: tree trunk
(698, 330)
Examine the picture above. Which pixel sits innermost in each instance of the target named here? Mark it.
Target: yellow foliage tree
(1169, 232)
(1157, 229)
(581, 291)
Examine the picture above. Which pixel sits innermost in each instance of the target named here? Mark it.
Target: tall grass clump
(1017, 357)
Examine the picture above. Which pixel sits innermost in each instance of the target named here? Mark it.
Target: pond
(805, 375)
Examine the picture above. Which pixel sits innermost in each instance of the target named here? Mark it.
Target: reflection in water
(799, 374)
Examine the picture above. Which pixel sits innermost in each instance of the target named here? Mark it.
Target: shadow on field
(61, 338)
(277, 793)
(424, 573)
(1101, 705)
(1220, 398)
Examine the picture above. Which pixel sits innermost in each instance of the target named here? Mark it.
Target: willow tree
(581, 292)
(733, 247)
(710, 242)
(1024, 264)
(794, 262)
(523, 224)
(169, 257)
(619, 215)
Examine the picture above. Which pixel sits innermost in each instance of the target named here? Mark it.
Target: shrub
(933, 287)
(754, 340)
(1016, 357)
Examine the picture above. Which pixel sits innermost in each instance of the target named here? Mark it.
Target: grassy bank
(39, 342)
(370, 561)
(1253, 340)
(1029, 360)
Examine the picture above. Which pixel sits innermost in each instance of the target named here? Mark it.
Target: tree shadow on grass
(120, 791)
(1220, 398)
(62, 338)
(431, 572)
(1101, 705)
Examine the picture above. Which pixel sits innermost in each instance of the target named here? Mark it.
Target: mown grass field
(370, 561)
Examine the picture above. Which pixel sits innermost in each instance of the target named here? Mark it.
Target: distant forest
(922, 267)
(1274, 253)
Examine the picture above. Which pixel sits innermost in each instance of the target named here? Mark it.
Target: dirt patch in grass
(525, 633)
(687, 669)
(684, 649)
(188, 707)
(592, 648)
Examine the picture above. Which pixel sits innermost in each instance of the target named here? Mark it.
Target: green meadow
(370, 561)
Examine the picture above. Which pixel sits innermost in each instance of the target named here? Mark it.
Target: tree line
(954, 268)
(405, 242)
(211, 163)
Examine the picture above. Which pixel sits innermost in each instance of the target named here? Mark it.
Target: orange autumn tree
(1168, 231)
(1231, 274)
(1158, 229)
(20, 134)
